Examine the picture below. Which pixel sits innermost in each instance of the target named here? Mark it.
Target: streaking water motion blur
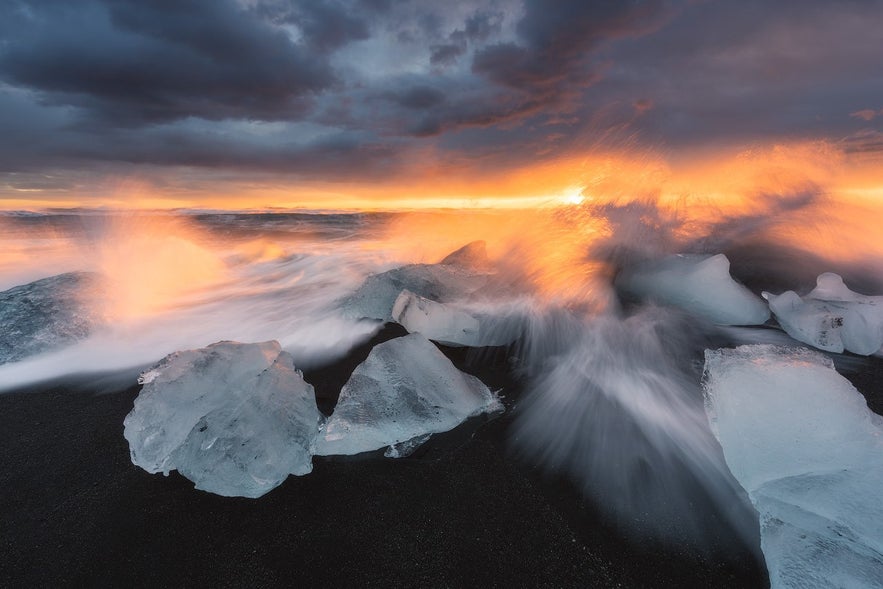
(612, 395)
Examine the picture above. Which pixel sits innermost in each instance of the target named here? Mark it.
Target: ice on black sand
(831, 317)
(405, 389)
(236, 419)
(803, 443)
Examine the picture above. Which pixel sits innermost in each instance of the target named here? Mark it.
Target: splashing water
(169, 283)
(619, 411)
(613, 400)
(612, 396)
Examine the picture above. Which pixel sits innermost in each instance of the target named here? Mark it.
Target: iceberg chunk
(436, 321)
(460, 274)
(831, 317)
(470, 324)
(812, 322)
(46, 314)
(236, 419)
(697, 284)
(472, 255)
(803, 443)
(406, 388)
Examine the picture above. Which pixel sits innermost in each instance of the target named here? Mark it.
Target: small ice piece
(236, 419)
(437, 321)
(460, 274)
(803, 443)
(405, 388)
(830, 287)
(48, 313)
(812, 322)
(697, 284)
(831, 317)
(406, 448)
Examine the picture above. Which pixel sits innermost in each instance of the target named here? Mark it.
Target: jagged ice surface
(458, 275)
(46, 314)
(437, 321)
(236, 419)
(831, 317)
(803, 443)
(697, 284)
(406, 388)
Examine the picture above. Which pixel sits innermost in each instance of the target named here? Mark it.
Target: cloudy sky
(188, 99)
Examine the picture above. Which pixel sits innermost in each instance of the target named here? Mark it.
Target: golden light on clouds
(725, 178)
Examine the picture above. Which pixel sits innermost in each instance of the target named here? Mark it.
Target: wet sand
(463, 512)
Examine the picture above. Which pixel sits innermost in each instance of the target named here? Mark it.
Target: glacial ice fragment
(47, 314)
(471, 324)
(406, 448)
(457, 276)
(817, 323)
(803, 443)
(831, 317)
(472, 255)
(436, 321)
(697, 284)
(236, 419)
(405, 388)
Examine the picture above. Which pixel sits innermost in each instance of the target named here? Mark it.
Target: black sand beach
(463, 512)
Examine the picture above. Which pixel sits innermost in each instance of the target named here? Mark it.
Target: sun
(572, 196)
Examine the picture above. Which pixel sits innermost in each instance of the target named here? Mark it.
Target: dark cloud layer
(130, 62)
(349, 88)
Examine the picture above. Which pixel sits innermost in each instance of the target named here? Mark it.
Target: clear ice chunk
(406, 448)
(803, 443)
(700, 285)
(236, 419)
(460, 274)
(405, 388)
(437, 321)
(47, 314)
(831, 317)
(817, 323)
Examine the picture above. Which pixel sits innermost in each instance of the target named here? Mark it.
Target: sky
(340, 103)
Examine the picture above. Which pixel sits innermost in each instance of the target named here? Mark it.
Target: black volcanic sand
(462, 512)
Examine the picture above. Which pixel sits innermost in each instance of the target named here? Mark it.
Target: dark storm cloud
(419, 97)
(324, 26)
(557, 40)
(358, 154)
(352, 87)
(540, 72)
(477, 28)
(480, 26)
(447, 54)
(727, 72)
(131, 62)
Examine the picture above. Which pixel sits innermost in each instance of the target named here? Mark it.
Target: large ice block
(700, 285)
(234, 418)
(803, 443)
(831, 317)
(406, 388)
(48, 313)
